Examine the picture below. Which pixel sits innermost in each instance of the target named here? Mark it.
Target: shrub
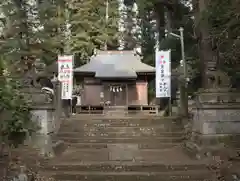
(15, 116)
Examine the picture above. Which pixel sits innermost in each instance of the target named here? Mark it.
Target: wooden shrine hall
(116, 78)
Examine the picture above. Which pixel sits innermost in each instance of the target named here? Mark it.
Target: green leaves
(15, 117)
(129, 35)
(89, 28)
(224, 17)
(32, 30)
(44, 29)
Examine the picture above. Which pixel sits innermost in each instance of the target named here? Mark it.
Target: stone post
(43, 114)
(57, 105)
(182, 93)
(66, 107)
(183, 99)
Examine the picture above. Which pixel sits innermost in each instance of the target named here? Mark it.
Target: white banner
(163, 73)
(65, 75)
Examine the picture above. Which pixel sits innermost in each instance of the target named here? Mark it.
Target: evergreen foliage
(51, 30)
(176, 14)
(147, 38)
(31, 30)
(130, 27)
(28, 33)
(17, 40)
(15, 117)
(89, 28)
(180, 17)
(224, 25)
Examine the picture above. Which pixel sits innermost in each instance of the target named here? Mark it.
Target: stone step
(120, 109)
(122, 153)
(115, 111)
(121, 134)
(148, 145)
(121, 124)
(96, 139)
(89, 117)
(131, 176)
(125, 120)
(112, 166)
(115, 107)
(156, 128)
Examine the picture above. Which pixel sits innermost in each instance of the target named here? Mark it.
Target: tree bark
(206, 54)
(160, 20)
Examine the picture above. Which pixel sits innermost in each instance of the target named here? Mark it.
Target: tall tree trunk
(206, 54)
(169, 17)
(160, 20)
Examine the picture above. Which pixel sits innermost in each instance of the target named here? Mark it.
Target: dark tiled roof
(115, 64)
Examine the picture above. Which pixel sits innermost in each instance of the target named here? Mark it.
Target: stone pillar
(66, 107)
(58, 105)
(183, 99)
(43, 116)
(182, 94)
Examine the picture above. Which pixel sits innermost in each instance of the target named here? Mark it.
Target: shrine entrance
(117, 94)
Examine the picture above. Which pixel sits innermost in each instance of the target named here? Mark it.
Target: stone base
(200, 146)
(215, 123)
(46, 144)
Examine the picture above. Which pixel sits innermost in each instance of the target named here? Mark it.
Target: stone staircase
(101, 149)
(115, 110)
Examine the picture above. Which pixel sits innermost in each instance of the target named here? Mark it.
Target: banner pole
(170, 96)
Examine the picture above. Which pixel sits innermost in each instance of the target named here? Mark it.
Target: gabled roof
(115, 64)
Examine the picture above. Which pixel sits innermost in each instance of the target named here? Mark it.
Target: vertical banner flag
(65, 75)
(163, 73)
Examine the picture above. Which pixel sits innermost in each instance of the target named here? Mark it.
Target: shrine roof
(115, 64)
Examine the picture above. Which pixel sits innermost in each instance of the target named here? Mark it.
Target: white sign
(163, 73)
(65, 75)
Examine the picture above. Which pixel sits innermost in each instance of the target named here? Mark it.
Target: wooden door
(117, 94)
(120, 97)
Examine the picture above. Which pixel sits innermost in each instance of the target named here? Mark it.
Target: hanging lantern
(114, 89)
(120, 89)
(117, 89)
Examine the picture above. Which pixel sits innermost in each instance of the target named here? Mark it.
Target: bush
(15, 117)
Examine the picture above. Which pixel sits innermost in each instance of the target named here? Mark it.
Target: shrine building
(116, 77)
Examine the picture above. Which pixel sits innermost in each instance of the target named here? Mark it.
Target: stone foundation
(215, 122)
(217, 119)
